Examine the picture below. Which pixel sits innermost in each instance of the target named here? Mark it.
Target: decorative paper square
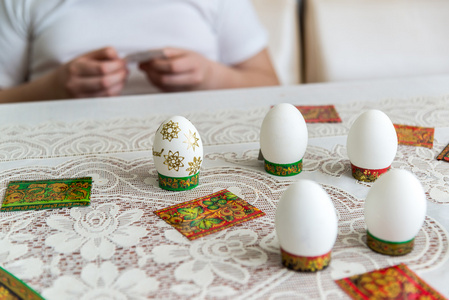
(319, 114)
(414, 135)
(12, 288)
(397, 282)
(44, 194)
(209, 214)
(444, 155)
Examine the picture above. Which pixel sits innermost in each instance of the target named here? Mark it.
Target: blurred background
(342, 40)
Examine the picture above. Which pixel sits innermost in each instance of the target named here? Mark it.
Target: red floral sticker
(208, 214)
(397, 282)
(319, 113)
(415, 135)
(444, 155)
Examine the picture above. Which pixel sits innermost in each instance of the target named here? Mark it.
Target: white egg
(395, 209)
(177, 154)
(306, 222)
(283, 137)
(372, 142)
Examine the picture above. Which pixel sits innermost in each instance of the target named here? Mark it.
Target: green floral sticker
(45, 194)
(12, 288)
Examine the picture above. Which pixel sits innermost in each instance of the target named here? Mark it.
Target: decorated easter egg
(177, 154)
(372, 144)
(306, 226)
(283, 140)
(395, 209)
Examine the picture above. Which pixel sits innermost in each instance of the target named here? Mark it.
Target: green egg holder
(389, 248)
(178, 183)
(283, 169)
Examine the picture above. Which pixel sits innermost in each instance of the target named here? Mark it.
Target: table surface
(117, 248)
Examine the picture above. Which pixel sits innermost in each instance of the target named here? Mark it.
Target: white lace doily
(58, 139)
(117, 246)
(118, 249)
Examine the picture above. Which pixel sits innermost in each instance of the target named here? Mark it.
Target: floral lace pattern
(95, 232)
(118, 247)
(58, 139)
(103, 282)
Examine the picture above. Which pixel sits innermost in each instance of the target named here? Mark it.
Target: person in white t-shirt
(58, 49)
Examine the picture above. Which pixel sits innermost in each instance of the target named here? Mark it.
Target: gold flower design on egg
(191, 140)
(170, 130)
(194, 166)
(158, 154)
(173, 160)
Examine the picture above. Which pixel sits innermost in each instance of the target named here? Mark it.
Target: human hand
(179, 70)
(95, 74)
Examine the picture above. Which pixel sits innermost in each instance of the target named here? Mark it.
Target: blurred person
(59, 49)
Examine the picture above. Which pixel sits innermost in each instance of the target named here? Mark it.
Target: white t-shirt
(37, 36)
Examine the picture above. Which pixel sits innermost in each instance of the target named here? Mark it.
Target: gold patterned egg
(177, 154)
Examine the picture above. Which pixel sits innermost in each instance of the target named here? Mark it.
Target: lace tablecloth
(118, 249)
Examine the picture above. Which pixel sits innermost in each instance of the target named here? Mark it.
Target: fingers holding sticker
(173, 69)
(95, 74)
